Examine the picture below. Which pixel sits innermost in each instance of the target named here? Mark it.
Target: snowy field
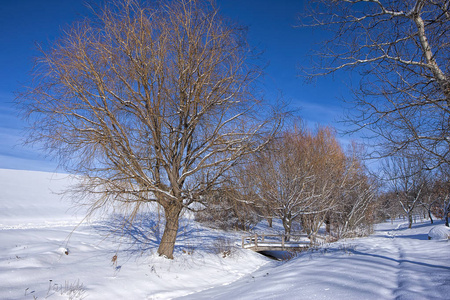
(36, 230)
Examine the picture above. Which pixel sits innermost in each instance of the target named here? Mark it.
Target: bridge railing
(274, 240)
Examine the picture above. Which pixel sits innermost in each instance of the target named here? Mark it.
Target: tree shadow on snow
(144, 233)
(356, 252)
(422, 237)
(140, 235)
(417, 225)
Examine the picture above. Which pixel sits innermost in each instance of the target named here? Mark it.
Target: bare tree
(441, 194)
(281, 181)
(328, 162)
(149, 103)
(402, 52)
(428, 201)
(388, 206)
(295, 177)
(354, 212)
(406, 181)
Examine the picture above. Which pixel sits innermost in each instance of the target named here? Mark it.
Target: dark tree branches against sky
(401, 50)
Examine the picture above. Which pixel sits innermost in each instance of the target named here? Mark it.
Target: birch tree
(149, 102)
(401, 51)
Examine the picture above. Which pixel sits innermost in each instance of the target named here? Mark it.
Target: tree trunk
(287, 222)
(429, 216)
(167, 244)
(446, 212)
(410, 220)
(269, 221)
(328, 225)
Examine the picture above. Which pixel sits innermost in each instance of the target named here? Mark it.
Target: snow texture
(42, 256)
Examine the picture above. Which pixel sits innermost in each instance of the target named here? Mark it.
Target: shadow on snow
(143, 235)
(399, 261)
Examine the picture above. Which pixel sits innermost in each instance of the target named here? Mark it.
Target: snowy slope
(33, 199)
(36, 229)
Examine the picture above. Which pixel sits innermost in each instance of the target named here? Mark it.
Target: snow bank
(441, 232)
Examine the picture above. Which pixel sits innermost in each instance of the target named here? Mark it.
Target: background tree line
(413, 191)
(302, 177)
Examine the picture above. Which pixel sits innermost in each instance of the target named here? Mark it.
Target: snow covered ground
(394, 263)
(35, 226)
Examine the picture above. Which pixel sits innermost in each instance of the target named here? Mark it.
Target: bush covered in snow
(439, 233)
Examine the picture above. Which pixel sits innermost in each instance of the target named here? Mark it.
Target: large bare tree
(401, 50)
(148, 102)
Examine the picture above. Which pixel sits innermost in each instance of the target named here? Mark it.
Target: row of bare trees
(412, 190)
(304, 177)
(306, 180)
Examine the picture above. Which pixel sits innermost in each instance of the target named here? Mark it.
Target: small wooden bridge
(273, 242)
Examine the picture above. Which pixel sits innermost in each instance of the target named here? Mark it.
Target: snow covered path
(394, 263)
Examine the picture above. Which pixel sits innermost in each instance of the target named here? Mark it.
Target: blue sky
(271, 29)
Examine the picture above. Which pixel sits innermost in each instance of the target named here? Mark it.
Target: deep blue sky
(271, 29)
